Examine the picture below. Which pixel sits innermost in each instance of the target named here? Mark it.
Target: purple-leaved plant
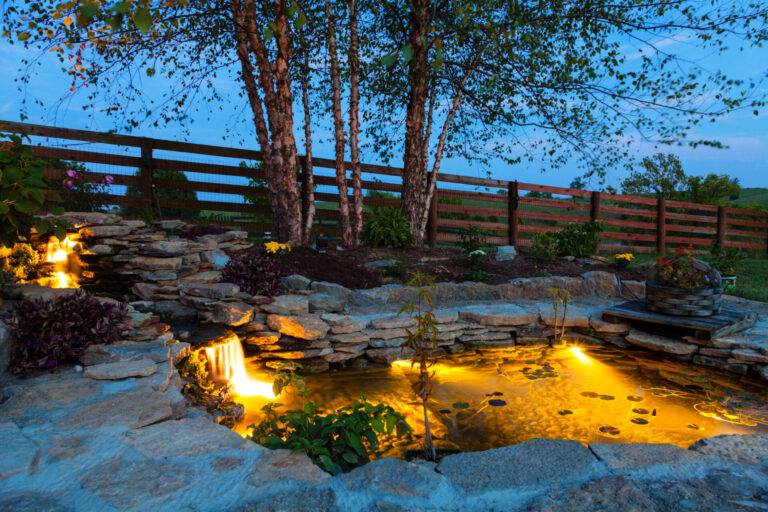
(47, 333)
(255, 273)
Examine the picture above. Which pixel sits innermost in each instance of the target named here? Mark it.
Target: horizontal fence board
(86, 156)
(460, 194)
(454, 223)
(744, 222)
(554, 203)
(699, 230)
(472, 210)
(202, 186)
(744, 211)
(119, 179)
(629, 224)
(71, 134)
(450, 237)
(554, 190)
(629, 211)
(690, 240)
(744, 245)
(691, 206)
(528, 228)
(123, 200)
(525, 214)
(628, 199)
(203, 168)
(629, 236)
(691, 218)
(627, 248)
(747, 234)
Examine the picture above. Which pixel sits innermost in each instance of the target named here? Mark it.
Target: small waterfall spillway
(227, 361)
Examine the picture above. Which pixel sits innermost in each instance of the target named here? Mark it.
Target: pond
(488, 399)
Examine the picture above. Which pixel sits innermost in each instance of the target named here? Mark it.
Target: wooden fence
(511, 212)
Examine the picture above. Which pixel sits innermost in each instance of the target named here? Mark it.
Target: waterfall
(227, 361)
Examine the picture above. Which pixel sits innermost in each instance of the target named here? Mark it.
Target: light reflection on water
(592, 394)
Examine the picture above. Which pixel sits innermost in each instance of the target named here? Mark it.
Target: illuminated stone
(575, 316)
(302, 354)
(104, 231)
(506, 314)
(597, 324)
(232, 313)
(288, 305)
(306, 327)
(351, 348)
(388, 355)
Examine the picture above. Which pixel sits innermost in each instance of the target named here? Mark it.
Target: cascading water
(227, 361)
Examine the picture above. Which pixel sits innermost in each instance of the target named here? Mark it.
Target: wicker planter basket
(682, 302)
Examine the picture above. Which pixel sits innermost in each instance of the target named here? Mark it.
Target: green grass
(750, 196)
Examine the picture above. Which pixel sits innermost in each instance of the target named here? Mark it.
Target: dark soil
(347, 267)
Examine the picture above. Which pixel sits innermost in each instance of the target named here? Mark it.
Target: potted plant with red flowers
(683, 286)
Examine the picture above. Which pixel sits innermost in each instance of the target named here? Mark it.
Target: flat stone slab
(306, 327)
(507, 314)
(660, 343)
(121, 370)
(535, 464)
(122, 352)
(746, 448)
(344, 324)
(187, 436)
(17, 452)
(288, 305)
(652, 461)
(395, 478)
(392, 322)
(575, 316)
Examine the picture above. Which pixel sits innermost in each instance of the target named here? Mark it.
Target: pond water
(489, 399)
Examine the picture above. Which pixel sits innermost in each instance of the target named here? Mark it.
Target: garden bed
(348, 268)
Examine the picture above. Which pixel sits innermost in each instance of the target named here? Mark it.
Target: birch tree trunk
(338, 127)
(414, 178)
(354, 123)
(308, 182)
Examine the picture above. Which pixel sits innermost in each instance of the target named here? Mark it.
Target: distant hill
(752, 195)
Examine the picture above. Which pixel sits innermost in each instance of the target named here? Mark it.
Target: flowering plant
(81, 195)
(276, 249)
(681, 271)
(476, 256)
(624, 259)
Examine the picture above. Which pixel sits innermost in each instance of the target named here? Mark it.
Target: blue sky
(745, 135)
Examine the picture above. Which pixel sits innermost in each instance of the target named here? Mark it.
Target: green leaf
(389, 59)
(4, 208)
(143, 20)
(291, 10)
(122, 7)
(56, 210)
(42, 226)
(350, 457)
(356, 442)
(268, 34)
(25, 206)
(300, 21)
(23, 36)
(407, 53)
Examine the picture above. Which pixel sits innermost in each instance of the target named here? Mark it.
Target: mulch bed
(347, 267)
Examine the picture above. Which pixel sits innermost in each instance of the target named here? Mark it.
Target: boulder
(535, 464)
(173, 309)
(296, 282)
(575, 316)
(393, 322)
(156, 264)
(368, 298)
(746, 448)
(396, 478)
(209, 290)
(156, 351)
(165, 248)
(602, 284)
(305, 327)
(333, 289)
(320, 302)
(80, 219)
(143, 367)
(501, 314)
(104, 231)
(344, 324)
(262, 338)
(100, 249)
(232, 313)
(388, 355)
(660, 343)
(597, 324)
(288, 305)
(644, 460)
(506, 253)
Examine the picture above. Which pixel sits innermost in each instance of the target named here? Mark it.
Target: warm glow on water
(483, 400)
(62, 254)
(228, 364)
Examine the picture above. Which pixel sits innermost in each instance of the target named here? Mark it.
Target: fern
(387, 227)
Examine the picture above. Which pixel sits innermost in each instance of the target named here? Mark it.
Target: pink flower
(69, 184)
(71, 173)
(108, 179)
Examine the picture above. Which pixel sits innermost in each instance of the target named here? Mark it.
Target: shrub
(197, 230)
(47, 333)
(255, 273)
(22, 261)
(473, 239)
(478, 276)
(578, 239)
(24, 190)
(726, 260)
(544, 246)
(387, 227)
(163, 193)
(336, 442)
(77, 193)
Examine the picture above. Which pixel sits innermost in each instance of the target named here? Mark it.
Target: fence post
(512, 214)
(432, 221)
(661, 226)
(145, 175)
(721, 226)
(594, 213)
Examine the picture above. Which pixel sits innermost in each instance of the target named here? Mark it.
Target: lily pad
(635, 398)
(497, 393)
(640, 410)
(607, 397)
(496, 402)
(639, 421)
(609, 430)
(461, 405)
(589, 394)
(564, 412)
(445, 411)
(694, 426)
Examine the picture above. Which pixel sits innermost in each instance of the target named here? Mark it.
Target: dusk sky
(745, 134)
